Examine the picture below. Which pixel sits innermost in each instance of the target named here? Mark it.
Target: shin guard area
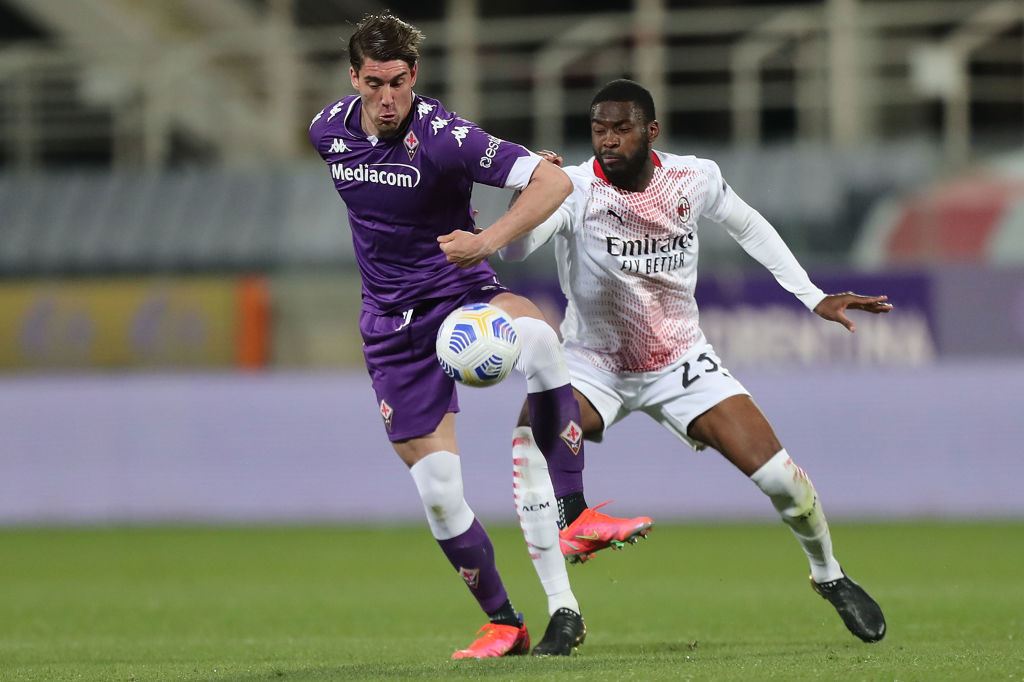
(534, 495)
(538, 517)
(794, 497)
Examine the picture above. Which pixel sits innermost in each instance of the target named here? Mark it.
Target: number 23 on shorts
(705, 364)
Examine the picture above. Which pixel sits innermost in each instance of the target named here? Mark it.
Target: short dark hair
(624, 90)
(384, 37)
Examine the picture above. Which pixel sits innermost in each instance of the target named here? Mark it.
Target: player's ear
(653, 129)
(412, 74)
(354, 77)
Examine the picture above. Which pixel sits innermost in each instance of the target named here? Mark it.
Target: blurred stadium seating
(144, 139)
(975, 217)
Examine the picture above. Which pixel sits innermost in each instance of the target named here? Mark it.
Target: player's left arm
(547, 188)
(758, 238)
(834, 306)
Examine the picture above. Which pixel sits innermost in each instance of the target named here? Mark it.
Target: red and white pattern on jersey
(641, 319)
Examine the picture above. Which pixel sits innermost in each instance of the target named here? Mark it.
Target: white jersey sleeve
(759, 239)
(522, 171)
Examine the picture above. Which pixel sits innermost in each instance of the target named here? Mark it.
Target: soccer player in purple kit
(405, 167)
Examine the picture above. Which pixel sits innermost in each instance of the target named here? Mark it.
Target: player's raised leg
(737, 428)
(585, 531)
(551, 406)
(554, 413)
(557, 427)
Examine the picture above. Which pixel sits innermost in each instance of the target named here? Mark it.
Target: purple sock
(472, 555)
(555, 418)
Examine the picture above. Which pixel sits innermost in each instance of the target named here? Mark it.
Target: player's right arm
(547, 188)
(561, 219)
(521, 248)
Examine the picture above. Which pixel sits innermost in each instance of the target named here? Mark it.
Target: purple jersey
(404, 192)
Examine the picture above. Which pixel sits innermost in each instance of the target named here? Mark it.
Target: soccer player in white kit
(626, 247)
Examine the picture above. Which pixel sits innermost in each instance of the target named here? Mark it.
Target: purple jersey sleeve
(468, 148)
(404, 192)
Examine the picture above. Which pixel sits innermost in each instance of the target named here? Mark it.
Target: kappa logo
(459, 133)
(387, 412)
(412, 143)
(572, 434)
(423, 109)
(471, 576)
(338, 146)
(437, 123)
(335, 110)
(316, 118)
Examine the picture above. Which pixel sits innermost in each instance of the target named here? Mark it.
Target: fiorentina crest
(470, 575)
(572, 434)
(387, 413)
(412, 143)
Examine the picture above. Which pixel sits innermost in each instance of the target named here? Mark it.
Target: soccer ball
(476, 344)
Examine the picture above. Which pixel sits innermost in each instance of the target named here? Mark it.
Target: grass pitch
(696, 602)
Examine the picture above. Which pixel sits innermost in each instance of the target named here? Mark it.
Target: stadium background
(178, 295)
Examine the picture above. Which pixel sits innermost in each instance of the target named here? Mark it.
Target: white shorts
(673, 396)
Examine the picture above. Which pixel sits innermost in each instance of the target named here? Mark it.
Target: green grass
(700, 602)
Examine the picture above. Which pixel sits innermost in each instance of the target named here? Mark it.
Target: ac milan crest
(412, 143)
(387, 412)
(683, 209)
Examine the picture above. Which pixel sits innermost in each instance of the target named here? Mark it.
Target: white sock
(794, 497)
(538, 517)
(438, 478)
(541, 360)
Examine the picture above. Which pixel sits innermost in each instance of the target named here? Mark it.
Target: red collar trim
(599, 172)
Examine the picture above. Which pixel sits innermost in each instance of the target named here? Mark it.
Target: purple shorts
(413, 392)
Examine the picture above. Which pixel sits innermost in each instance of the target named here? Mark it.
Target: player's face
(622, 143)
(386, 92)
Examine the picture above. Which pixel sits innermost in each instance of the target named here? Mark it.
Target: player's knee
(438, 478)
(788, 486)
(539, 342)
(541, 359)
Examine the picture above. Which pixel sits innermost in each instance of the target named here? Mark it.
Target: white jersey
(627, 261)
